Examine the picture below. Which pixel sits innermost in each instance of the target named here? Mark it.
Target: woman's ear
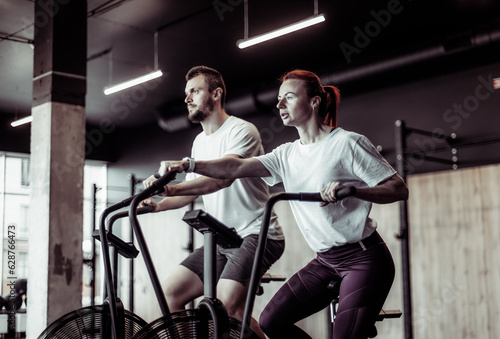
(315, 102)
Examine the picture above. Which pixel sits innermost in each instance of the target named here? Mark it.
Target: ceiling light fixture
(139, 80)
(247, 42)
(22, 121)
(133, 82)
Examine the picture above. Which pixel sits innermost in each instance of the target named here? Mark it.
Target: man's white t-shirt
(342, 156)
(240, 205)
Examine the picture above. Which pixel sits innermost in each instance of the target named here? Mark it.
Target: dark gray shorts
(236, 263)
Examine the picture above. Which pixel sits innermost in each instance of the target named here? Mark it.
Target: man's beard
(202, 113)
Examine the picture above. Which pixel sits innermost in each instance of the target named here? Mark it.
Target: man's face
(200, 103)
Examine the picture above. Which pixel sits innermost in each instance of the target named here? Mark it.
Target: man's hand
(173, 166)
(149, 202)
(328, 193)
(149, 181)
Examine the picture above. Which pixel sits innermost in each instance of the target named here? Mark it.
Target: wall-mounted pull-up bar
(452, 144)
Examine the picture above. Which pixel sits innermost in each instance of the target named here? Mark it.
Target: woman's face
(294, 104)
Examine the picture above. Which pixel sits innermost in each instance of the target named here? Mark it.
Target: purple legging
(366, 277)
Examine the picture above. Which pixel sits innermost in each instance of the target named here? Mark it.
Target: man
(236, 203)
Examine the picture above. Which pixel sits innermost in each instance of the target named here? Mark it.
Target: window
(15, 209)
(25, 172)
(23, 221)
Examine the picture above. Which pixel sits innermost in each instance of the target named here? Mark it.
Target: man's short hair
(212, 77)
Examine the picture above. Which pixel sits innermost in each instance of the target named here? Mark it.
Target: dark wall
(14, 139)
(463, 103)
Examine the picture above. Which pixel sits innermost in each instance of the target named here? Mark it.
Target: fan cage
(194, 323)
(93, 322)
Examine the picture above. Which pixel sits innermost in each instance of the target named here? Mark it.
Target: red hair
(330, 95)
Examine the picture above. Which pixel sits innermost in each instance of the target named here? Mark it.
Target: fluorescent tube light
(243, 43)
(22, 121)
(133, 82)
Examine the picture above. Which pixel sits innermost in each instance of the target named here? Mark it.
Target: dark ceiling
(360, 39)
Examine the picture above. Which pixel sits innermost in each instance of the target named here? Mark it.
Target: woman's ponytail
(328, 111)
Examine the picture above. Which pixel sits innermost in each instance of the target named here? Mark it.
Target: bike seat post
(210, 303)
(333, 309)
(209, 263)
(114, 256)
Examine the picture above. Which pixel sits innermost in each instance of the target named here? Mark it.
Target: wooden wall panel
(454, 224)
(387, 217)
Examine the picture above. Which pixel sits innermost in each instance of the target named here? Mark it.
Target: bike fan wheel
(188, 324)
(93, 322)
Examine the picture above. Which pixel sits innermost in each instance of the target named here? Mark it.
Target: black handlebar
(116, 216)
(155, 188)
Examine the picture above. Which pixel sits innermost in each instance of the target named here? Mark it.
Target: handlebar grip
(145, 209)
(158, 186)
(310, 197)
(345, 192)
(342, 193)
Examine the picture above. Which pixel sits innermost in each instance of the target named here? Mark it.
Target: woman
(349, 250)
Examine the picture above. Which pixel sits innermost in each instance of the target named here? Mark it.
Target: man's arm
(168, 203)
(184, 193)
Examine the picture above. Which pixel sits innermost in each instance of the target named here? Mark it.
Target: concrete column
(55, 239)
(57, 161)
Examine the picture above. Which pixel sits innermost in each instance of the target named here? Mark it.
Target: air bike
(208, 320)
(111, 320)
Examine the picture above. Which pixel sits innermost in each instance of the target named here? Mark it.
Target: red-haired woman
(349, 250)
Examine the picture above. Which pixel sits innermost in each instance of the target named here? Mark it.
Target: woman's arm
(199, 186)
(386, 192)
(227, 167)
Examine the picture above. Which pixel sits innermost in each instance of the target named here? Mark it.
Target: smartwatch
(191, 164)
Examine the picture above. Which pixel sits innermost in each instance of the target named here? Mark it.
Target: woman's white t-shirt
(342, 156)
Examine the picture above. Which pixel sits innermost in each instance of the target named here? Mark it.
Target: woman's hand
(328, 193)
(173, 166)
